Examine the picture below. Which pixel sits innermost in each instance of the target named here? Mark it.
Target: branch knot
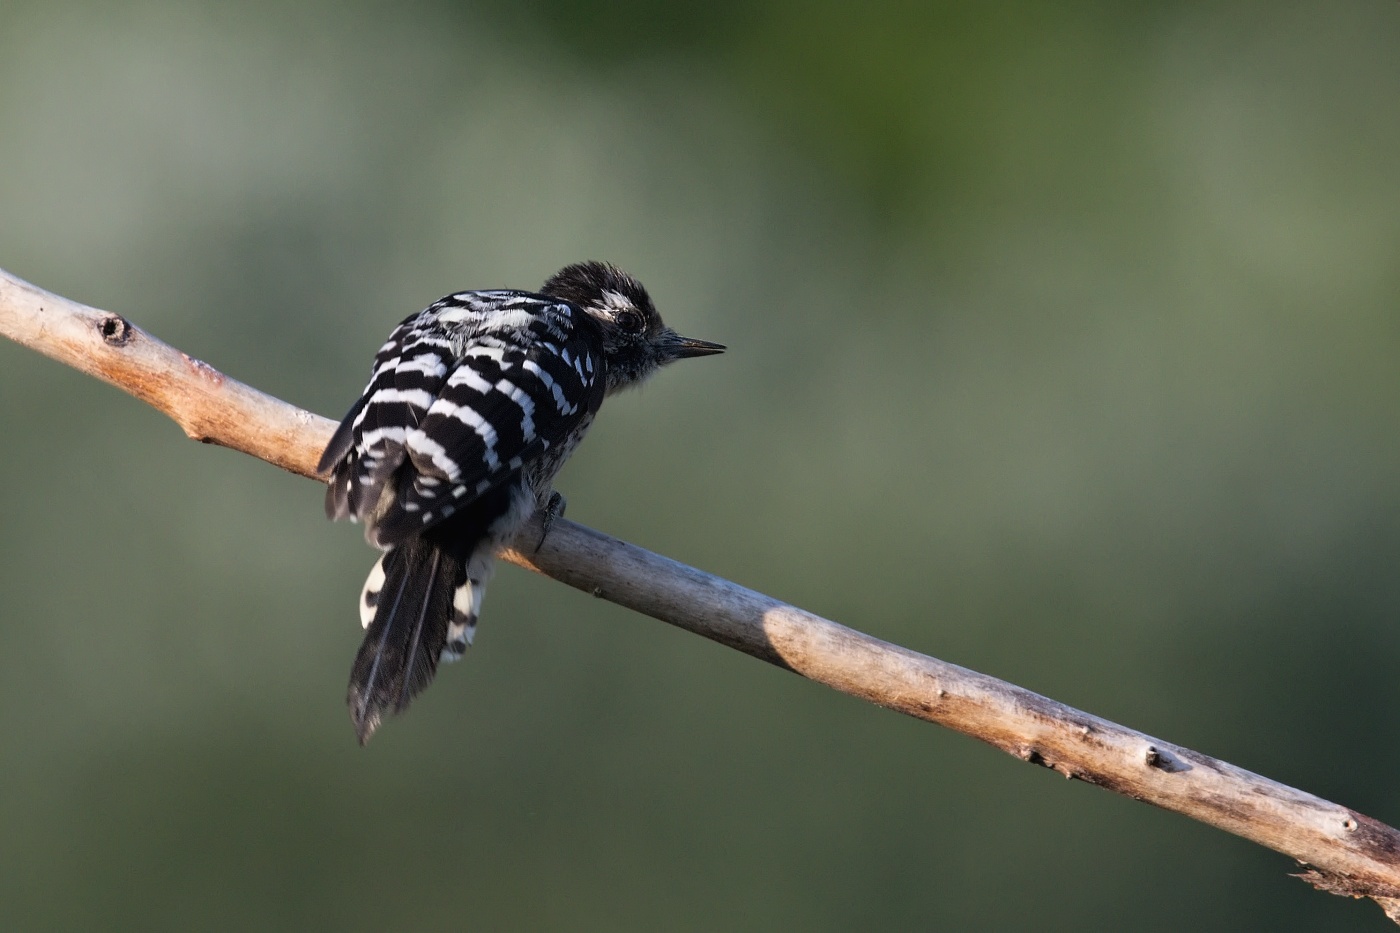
(114, 329)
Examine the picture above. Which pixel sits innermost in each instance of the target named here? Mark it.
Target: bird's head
(636, 342)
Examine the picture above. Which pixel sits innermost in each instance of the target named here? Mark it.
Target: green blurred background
(1064, 345)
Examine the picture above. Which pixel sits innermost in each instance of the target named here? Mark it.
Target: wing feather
(460, 397)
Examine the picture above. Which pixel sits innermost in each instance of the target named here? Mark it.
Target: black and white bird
(472, 407)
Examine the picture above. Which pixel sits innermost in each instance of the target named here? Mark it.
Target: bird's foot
(553, 510)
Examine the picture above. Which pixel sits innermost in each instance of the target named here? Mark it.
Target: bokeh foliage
(1064, 344)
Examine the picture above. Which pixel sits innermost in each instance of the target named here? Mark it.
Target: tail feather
(407, 633)
(369, 596)
(466, 606)
(421, 601)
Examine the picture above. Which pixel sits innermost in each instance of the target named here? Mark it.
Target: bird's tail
(419, 606)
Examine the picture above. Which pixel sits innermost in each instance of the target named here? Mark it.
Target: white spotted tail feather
(472, 407)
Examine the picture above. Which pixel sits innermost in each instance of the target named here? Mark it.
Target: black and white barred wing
(369, 445)
(461, 403)
(501, 408)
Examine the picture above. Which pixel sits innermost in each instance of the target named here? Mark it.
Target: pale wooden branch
(1342, 851)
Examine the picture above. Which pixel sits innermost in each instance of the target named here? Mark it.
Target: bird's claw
(553, 509)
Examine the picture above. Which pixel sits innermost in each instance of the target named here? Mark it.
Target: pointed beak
(680, 348)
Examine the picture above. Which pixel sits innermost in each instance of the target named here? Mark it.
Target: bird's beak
(683, 347)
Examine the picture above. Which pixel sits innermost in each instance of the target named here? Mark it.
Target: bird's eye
(630, 321)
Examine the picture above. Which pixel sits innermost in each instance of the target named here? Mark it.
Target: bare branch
(1342, 851)
(208, 405)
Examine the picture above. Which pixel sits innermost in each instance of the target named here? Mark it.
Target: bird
(473, 405)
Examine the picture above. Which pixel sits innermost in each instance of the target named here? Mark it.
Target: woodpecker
(472, 406)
